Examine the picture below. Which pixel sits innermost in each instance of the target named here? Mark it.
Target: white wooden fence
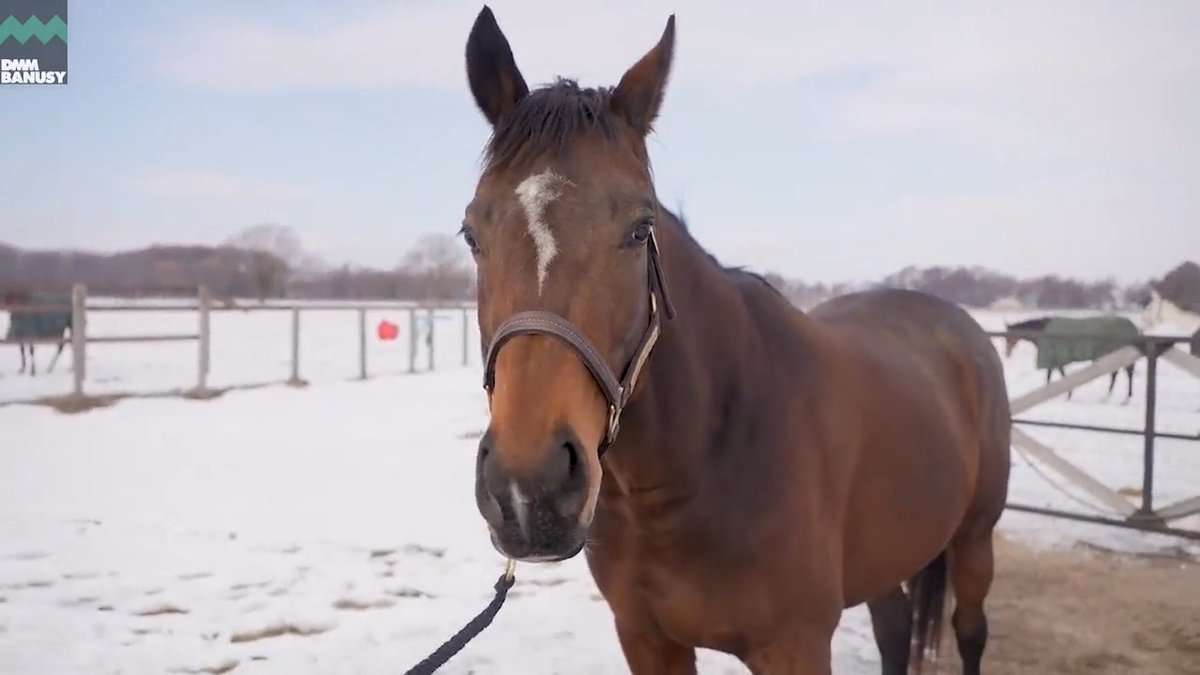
(205, 306)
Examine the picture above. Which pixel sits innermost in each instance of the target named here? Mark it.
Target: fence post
(429, 338)
(295, 380)
(362, 343)
(412, 340)
(205, 301)
(79, 335)
(1147, 508)
(466, 339)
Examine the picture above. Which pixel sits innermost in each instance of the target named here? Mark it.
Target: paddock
(283, 529)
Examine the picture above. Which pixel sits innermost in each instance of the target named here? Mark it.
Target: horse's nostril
(572, 458)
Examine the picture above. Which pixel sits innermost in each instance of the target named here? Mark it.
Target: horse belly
(905, 507)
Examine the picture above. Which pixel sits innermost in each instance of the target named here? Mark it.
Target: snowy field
(332, 529)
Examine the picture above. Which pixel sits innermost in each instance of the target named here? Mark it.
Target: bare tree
(440, 267)
(272, 251)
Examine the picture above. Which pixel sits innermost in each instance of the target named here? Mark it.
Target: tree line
(269, 261)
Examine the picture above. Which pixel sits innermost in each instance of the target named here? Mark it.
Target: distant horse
(25, 327)
(737, 471)
(1054, 353)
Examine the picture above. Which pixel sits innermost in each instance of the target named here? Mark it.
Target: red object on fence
(387, 330)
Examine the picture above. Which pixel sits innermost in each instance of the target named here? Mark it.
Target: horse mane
(1030, 324)
(547, 119)
(731, 271)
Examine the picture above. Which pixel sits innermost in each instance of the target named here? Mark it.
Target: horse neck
(692, 372)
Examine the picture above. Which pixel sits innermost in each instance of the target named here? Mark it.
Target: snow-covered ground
(332, 529)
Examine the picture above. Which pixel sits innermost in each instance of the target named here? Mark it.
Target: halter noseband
(616, 391)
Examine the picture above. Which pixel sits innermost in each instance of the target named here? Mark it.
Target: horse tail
(928, 591)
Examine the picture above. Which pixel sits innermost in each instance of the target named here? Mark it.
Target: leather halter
(616, 392)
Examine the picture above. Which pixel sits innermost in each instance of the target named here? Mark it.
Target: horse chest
(693, 607)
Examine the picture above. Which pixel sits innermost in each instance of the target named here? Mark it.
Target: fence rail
(205, 305)
(1143, 516)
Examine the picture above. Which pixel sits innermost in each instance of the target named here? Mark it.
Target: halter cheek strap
(617, 392)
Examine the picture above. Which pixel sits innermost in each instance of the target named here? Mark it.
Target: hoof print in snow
(193, 576)
(545, 583)
(362, 604)
(278, 630)
(79, 602)
(85, 576)
(25, 585)
(27, 555)
(160, 609)
(382, 553)
(104, 608)
(424, 550)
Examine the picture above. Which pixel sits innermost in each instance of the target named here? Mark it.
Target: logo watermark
(33, 42)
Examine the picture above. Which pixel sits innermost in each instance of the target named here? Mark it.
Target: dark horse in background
(26, 327)
(1099, 335)
(737, 471)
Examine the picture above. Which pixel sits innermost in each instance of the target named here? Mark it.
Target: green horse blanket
(33, 325)
(1102, 335)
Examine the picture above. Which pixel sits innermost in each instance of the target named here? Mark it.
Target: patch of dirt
(406, 592)
(276, 630)
(360, 604)
(1088, 611)
(215, 669)
(72, 404)
(161, 610)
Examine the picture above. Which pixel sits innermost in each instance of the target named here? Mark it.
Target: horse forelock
(547, 120)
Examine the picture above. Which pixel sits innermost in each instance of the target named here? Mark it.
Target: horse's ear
(496, 83)
(639, 94)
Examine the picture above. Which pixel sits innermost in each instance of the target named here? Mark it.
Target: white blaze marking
(536, 193)
(520, 508)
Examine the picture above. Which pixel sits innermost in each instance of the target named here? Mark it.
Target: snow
(332, 528)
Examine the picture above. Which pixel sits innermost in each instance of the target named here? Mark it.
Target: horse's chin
(523, 552)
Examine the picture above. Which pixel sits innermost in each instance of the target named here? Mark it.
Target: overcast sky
(828, 141)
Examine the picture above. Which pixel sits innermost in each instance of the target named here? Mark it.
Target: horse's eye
(640, 233)
(469, 238)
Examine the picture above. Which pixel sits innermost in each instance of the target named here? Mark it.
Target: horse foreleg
(1063, 374)
(806, 651)
(32, 362)
(21, 349)
(892, 623)
(57, 354)
(647, 650)
(1129, 380)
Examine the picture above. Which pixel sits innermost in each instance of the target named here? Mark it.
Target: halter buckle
(614, 423)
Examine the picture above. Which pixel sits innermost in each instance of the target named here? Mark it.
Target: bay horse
(1056, 354)
(736, 471)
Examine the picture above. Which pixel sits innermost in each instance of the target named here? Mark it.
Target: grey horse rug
(1101, 335)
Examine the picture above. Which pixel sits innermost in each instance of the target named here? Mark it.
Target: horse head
(561, 228)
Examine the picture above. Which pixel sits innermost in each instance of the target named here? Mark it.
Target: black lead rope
(470, 631)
